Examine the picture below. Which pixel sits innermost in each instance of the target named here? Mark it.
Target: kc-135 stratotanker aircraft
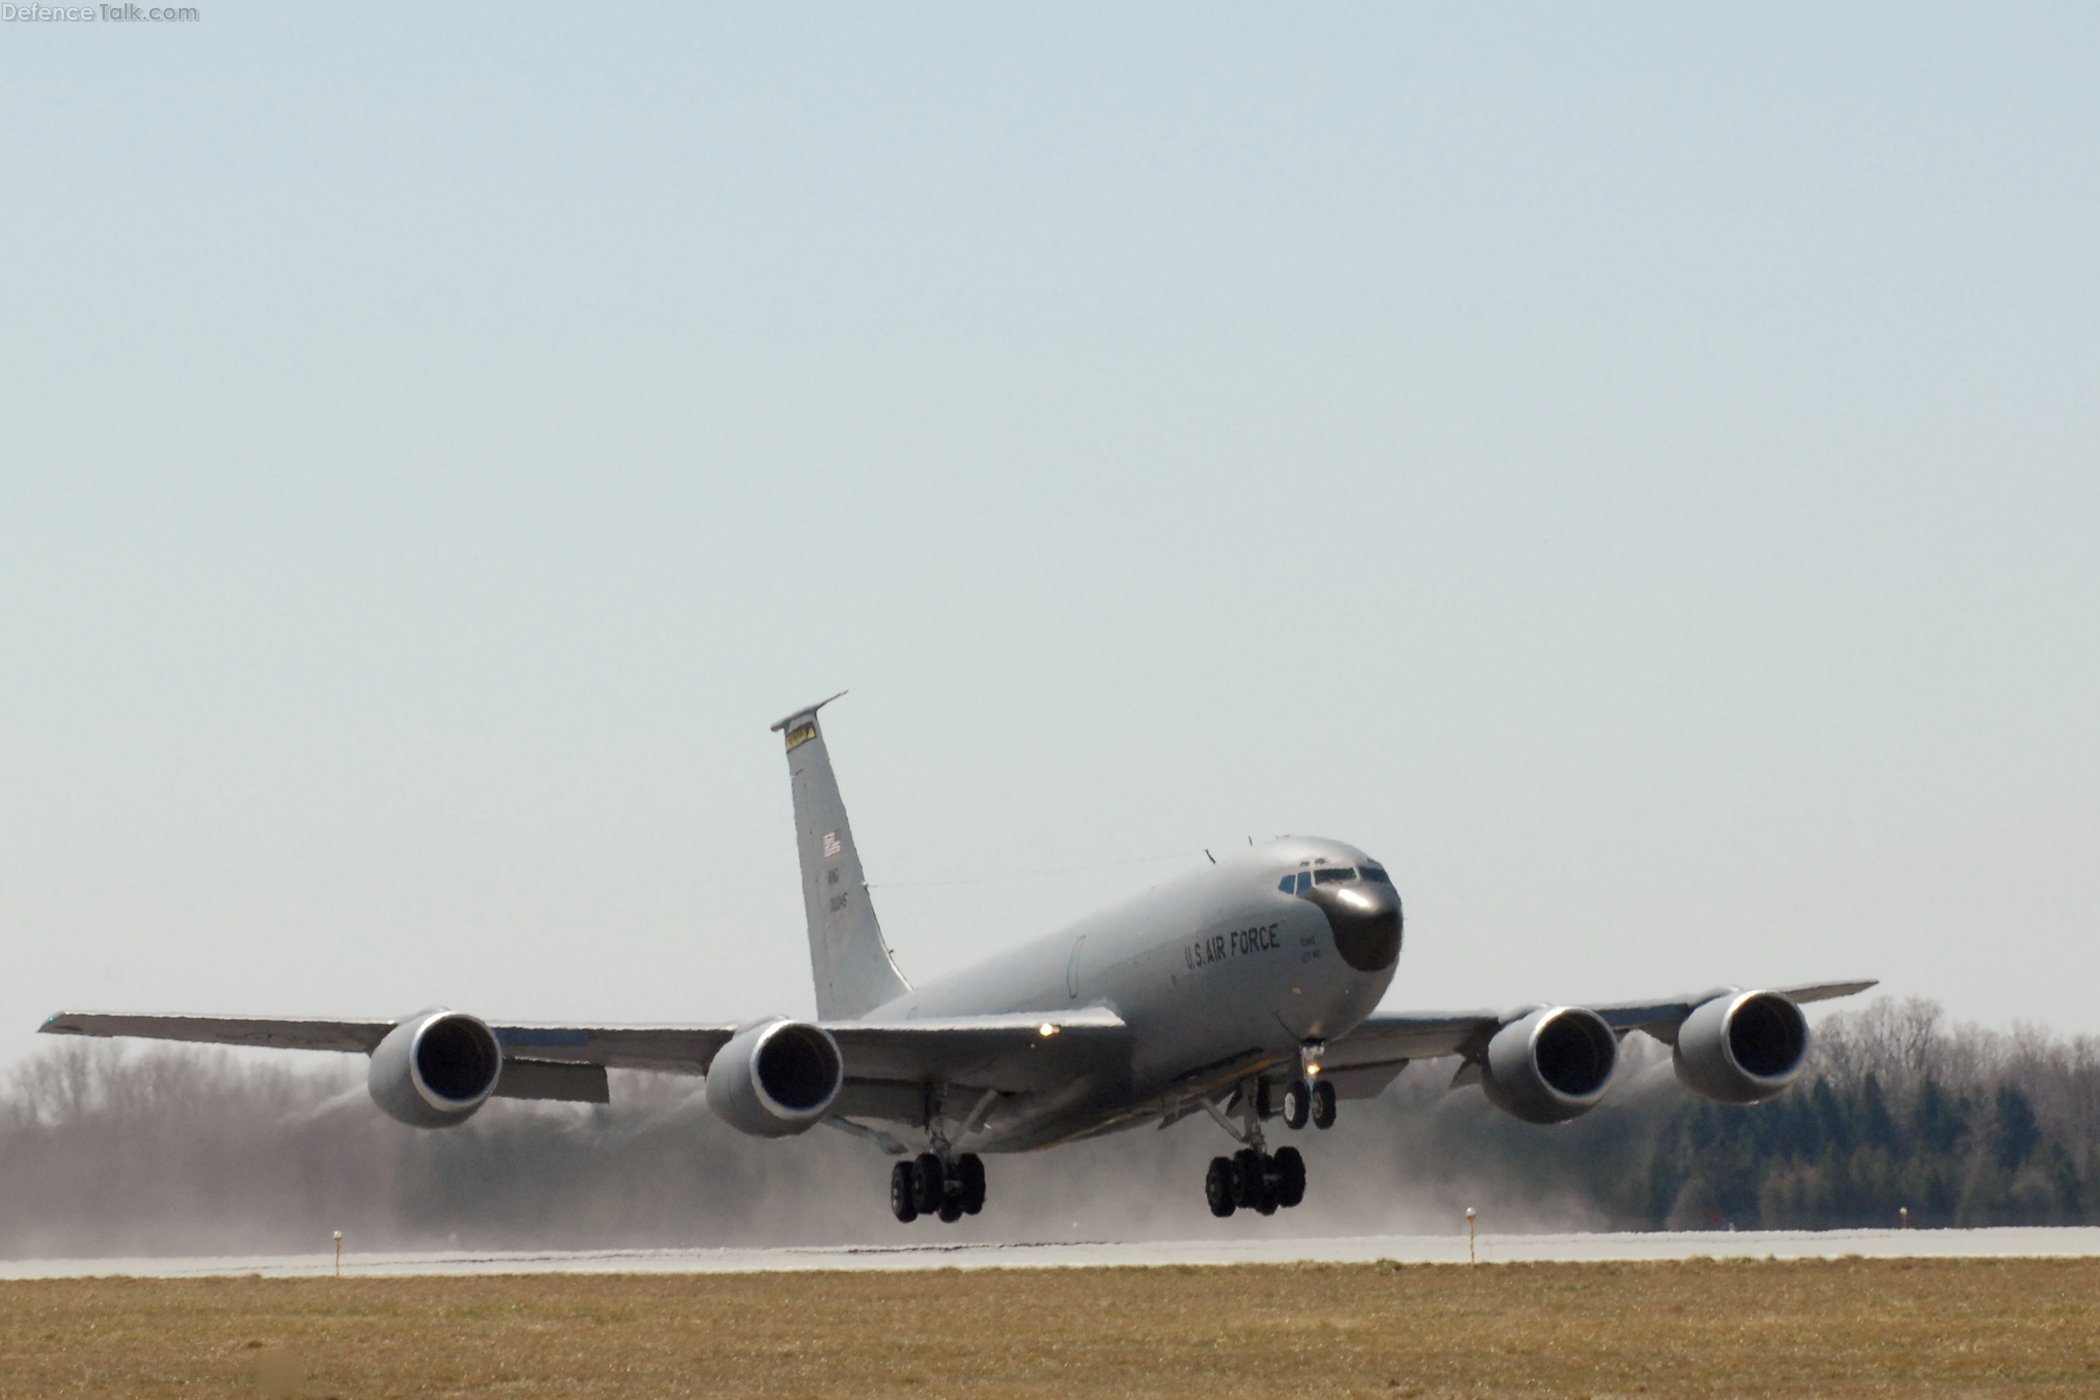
(1247, 991)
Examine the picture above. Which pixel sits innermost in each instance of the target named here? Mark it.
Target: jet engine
(775, 1078)
(435, 1068)
(1742, 1047)
(1553, 1065)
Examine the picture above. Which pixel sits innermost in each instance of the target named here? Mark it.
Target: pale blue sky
(1633, 468)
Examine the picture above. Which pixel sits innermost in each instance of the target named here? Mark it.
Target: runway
(2083, 1242)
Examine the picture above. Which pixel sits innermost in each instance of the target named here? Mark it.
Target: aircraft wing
(358, 1037)
(1011, 1052)
(686, 1049)
(1394, 1037)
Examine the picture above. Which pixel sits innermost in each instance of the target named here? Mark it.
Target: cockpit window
(1376, 874)
(1333, 875)
(1288, 884)
(1304, 882)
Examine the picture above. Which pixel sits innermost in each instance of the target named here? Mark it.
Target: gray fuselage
(1220, 973)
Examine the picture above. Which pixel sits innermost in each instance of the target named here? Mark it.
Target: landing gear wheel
(1217, 1187)
(951, 1210)
(930, 1183)
(904, 1193)
(1266, 1185)
(1290, 1178)
(1297, 1104)
(1323, 1105)
(1246, 1178)
(1264, 1100)
(970, 1167)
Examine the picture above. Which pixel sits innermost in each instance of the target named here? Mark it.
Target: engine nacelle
(435, 1068)
(1553, 1065)
(775, 1078)
(1742, 1047)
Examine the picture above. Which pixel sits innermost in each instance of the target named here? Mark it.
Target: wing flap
(1389, 1036)
(540, 1079)
(665, 1049)
(1013, 1053)
(1009, 1051)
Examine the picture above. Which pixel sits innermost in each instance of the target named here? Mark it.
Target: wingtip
(1831, 991)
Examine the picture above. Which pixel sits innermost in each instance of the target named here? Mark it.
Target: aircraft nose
(1365, 919)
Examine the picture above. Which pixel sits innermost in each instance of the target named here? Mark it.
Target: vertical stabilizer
(846, 952)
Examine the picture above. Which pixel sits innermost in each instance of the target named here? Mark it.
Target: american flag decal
(831, 844)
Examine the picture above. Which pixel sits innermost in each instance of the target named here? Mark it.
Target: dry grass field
(1740, 1328)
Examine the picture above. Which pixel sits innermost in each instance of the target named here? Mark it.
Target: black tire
(1217, 1187)
(1290, 1178)
(1323, 1105)
(951, 1210)
(971, 1168)
(930, 1183)
(1246, 1178)
(1297, 1104)
(1264, 1100)
(1266, 1198)
(904, 1193)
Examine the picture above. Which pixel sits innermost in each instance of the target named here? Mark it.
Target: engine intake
(434, 1069)
(1741, 1047)
(775, 1078)
(1553, 1065)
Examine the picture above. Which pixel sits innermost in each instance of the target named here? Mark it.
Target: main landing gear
(1254, 1178)
(929, 1184)
(1251, 1179)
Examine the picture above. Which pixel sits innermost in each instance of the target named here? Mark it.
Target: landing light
(1046, 1030)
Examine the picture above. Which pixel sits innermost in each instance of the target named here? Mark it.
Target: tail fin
(846, 952)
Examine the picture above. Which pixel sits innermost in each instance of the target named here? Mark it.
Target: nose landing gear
(1323, 1105)
(1308, 1098)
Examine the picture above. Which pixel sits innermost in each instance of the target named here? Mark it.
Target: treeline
(1962, 1127)
(113, 1151)
(1900, 1118)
